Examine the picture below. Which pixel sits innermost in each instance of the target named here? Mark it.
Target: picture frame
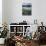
(26, 9)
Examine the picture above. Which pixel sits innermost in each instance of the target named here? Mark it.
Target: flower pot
(2, 40)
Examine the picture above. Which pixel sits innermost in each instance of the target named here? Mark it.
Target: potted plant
(3, 34)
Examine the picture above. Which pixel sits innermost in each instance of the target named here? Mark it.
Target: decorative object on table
(23, 23)
(35, 21)
(41, 28)
(26, 9)
(28, 33)
(5, 31)
(42, 23)
(14, 24)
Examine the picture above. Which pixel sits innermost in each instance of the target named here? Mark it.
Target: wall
(0, 13)
(13, 11)
(4, 11)
(16, 13)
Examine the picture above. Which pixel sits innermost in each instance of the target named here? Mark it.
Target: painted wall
(13, 11)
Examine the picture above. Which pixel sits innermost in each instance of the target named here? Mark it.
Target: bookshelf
(18, 29)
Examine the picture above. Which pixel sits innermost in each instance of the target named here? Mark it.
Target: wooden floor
(36, 44)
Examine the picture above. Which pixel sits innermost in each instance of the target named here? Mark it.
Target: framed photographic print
(26, 9)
